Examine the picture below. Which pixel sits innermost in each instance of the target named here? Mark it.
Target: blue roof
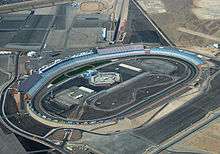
(178, 53)
(27, 84)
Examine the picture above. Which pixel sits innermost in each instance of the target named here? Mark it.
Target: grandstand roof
(121, 49)
(27, 84)
(178, 53)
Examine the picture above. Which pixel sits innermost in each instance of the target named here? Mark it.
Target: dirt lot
(92, 6)
(186, 22)
(206, 139)
(207, 9)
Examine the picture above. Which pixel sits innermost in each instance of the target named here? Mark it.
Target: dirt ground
(207, 9)
(92, 6)
(186, 22)
(207, 139)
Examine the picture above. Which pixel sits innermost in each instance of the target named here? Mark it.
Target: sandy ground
(45, 11)
(199, 18)
(207, 9)
(209, 52)
(92, 6)
(206, 139)
(153, 6)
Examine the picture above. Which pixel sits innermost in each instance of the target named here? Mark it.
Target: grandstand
(59, 61)
(178, 53)
(27, 84)
(121, 49)
(67, 64)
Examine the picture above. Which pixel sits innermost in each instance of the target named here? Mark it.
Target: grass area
(79, 71)
(60, 79)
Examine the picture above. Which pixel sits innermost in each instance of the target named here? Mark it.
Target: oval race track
(156, 84)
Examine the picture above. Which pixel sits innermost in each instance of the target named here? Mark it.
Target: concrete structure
(70, 97)
(131, 67)
(105, 79)
(86, 89)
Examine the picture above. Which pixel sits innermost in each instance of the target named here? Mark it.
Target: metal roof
(178, 53)
(28, 83)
